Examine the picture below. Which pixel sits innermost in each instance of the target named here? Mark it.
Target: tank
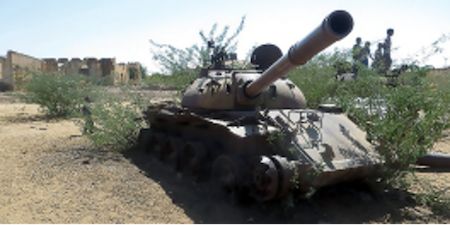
(250, 130)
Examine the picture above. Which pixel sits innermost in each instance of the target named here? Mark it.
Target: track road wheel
(193, 160)
(229, 173)
(264, 179)
(156, 144)
(271, 177)
(172, 151)
(144, 139)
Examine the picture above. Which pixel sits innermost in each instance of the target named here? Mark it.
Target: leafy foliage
(173, 60)
(57, 95)
(316, 78)
(403, 121)
(179, 80)
(436, 198)
(116, 120)
(425, 53)
(143, 70)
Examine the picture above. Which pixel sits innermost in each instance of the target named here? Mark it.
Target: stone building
(13, 69)
(2, 61)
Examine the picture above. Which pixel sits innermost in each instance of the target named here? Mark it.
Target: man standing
(377, 63)
(356, 52)
(365, 54)
(387, 49)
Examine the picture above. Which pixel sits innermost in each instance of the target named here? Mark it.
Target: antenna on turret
(219, 56)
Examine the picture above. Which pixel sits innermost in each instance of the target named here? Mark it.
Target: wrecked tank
(250, 130)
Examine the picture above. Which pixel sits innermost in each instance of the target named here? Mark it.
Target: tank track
(245, 166)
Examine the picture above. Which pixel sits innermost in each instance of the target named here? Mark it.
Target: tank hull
(315, 148)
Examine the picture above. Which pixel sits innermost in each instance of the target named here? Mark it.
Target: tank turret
(221, 88)
(251, 127)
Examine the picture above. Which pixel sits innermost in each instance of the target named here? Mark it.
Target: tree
(173, 60)
(143, 71)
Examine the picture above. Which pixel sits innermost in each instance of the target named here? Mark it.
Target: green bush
(57, 95)
(179, 80)
(403, 121)
(435, 197)
(316, 78)
(109, 121)
(116, 120)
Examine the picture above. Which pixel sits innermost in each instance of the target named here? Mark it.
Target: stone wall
(134, 72)
(50, 65)
(107, 66)
(2, 62)
(122, 75)
(93, 67)
(13, 68)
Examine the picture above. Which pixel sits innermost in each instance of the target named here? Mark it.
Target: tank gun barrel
(334, 27)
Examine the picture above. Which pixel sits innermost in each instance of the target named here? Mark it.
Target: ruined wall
(93, 67)
(107, 70)
(134, 73)
(14, 73)
(63, 61)
(2, 62)
(121, 74)
(24, 61)
(13, 68)
(62, 65)
(73, 66)
(107, 66)
(50, 65)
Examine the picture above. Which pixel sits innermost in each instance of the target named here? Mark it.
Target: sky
(122, 29)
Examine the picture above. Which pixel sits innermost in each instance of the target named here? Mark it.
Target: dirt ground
(49, 173)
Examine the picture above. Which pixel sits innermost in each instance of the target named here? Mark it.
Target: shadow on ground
(356, 202)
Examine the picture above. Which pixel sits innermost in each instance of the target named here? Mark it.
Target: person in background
(377, 63)
(356, 53)
(387, 50)
(365, 54)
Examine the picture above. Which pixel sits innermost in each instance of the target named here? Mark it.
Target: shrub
(57, 95)
(179, 80)
(116, 120)
(316, 78)
(404, 122)
(435, 198)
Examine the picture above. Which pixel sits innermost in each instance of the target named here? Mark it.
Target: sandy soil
(49, 173)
